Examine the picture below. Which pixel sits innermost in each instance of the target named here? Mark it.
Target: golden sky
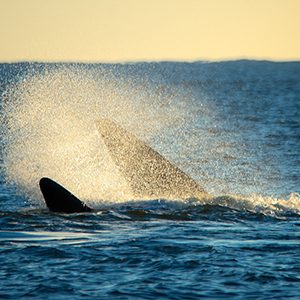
(135, 30)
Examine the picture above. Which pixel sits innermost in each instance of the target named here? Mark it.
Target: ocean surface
(232, 126)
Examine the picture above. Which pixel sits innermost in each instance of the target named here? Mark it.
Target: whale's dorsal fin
(59, 199)
(147, 172)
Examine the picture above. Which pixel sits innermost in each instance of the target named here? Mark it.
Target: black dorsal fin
(59, 199)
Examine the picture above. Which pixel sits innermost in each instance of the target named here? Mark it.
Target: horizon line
(133, 61)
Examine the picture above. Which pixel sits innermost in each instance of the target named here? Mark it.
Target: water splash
(148, 173)
(49, 128)
(256, 203)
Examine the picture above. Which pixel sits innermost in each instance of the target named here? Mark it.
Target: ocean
(232, 126)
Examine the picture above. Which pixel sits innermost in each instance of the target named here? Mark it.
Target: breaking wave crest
(221, 207)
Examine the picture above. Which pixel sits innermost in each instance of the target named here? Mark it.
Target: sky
(148, 30)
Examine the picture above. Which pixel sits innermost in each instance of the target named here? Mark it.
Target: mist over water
(50, 129)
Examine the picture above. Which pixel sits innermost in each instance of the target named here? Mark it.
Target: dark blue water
(233, 126)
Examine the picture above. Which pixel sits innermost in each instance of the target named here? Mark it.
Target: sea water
(232, 126)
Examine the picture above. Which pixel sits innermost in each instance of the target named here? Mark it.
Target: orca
(59, 199)
(147, 172)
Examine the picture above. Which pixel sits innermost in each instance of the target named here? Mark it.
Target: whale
(148, 174)
(59, 199)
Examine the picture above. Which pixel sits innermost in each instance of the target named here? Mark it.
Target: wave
(221, 209)
(214, 207)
